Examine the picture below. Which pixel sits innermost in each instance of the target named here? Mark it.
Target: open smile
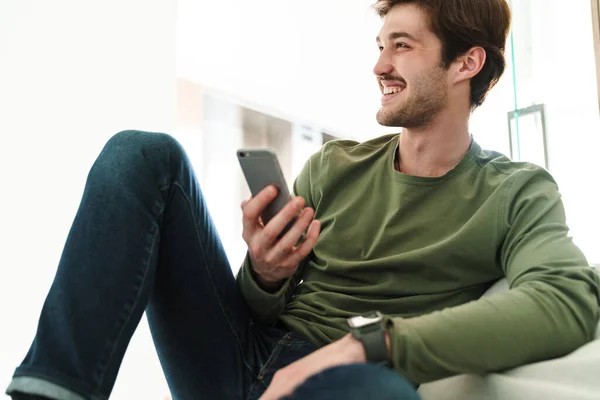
(390, 93)
(391, 89)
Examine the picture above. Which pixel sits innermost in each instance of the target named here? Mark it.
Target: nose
(384, 64)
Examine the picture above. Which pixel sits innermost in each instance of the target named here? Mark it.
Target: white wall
(72, 73)
(312, 59)
(222, 178)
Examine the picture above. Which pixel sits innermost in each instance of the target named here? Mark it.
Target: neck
(437, 148)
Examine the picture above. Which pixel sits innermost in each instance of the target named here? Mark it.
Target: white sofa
(575, 376)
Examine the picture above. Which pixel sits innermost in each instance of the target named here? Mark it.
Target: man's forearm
(270, 287)
(264, 304)
(527, 324)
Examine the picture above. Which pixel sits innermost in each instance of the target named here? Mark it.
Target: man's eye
(401, 45)
(380, 48)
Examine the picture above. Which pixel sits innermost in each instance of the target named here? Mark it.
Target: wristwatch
(369, 330)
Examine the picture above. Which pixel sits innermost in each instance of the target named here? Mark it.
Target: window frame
(596, 32)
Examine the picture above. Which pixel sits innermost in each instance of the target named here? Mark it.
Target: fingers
(276, 225)
(306, 247)
(252, 208)
(275, 255)
(291, 238)
(285, 252)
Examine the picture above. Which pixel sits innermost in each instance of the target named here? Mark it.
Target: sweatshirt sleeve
(551, 309)
(265, 306)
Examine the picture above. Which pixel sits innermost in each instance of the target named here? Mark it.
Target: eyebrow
(398, 35)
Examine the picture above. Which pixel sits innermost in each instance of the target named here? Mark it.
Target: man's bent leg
(142, 236)
(355, 382)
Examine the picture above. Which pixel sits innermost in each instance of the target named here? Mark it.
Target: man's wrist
(267, 286)
(371, 331)
(354, 349)
(388, 344)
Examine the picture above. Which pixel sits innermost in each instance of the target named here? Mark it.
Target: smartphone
(261, 169)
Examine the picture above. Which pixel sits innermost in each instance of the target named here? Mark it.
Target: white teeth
(392, 90)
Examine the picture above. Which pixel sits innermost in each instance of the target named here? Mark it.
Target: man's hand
(274, 260)
(347, 350)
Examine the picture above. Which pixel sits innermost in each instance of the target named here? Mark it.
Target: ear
(469, 64)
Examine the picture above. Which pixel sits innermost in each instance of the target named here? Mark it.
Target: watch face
(364, 320)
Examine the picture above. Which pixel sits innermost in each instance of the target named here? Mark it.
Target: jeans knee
(134, 141)
(132, 152)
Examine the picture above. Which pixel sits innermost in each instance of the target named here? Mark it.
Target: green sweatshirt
(423, 250)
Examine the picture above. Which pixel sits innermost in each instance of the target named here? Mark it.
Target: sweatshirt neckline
(467, 160)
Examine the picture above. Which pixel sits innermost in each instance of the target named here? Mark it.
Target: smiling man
(405, 233)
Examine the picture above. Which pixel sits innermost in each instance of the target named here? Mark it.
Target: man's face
(409, 71)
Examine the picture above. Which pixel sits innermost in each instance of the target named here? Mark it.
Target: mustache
(386, 77)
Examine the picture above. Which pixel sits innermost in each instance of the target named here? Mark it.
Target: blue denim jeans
(143, 240)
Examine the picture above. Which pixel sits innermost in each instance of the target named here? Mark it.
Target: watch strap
(373, 339)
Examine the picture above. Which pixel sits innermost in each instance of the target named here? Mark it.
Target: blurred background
(220, 75)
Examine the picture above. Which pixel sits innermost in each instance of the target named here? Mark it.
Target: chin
(387, 117)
